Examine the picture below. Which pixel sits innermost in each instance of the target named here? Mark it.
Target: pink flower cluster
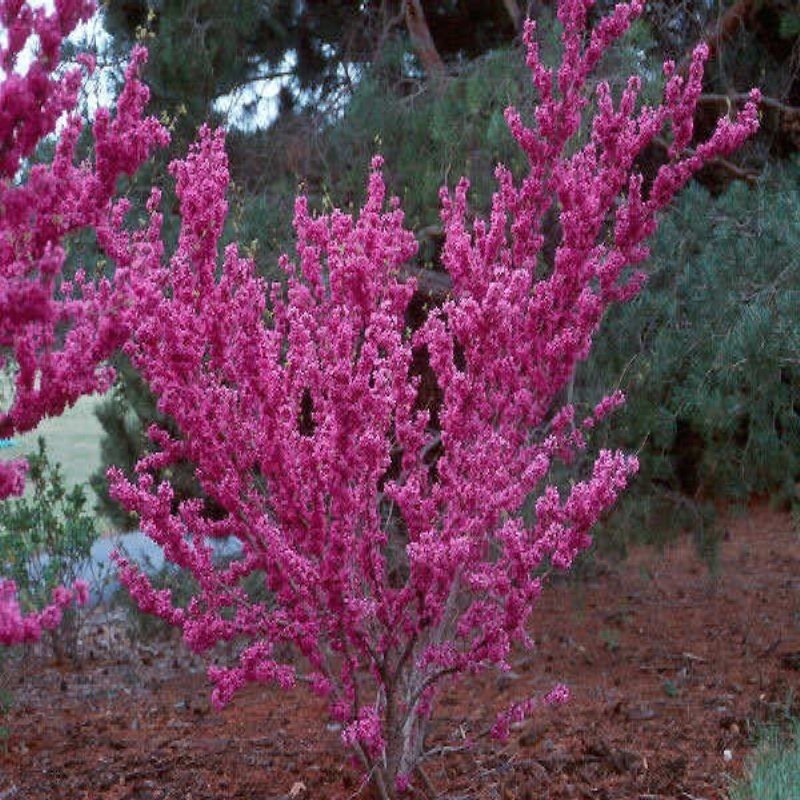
(18, 628)
(519, 712)
(398, 548)
(46, 203)
(55, 335)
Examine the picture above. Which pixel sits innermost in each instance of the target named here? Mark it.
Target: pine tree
(206, 49)
(708, 356)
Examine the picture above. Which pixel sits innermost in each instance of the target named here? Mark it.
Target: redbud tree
(393, 541)
(55, 335)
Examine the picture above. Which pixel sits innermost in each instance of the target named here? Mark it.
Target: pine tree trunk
(515, 12)
(739, 15)
(423, 41)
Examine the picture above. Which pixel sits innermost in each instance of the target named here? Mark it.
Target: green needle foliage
(709, 354)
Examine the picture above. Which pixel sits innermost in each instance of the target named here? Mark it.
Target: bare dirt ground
(671, 671)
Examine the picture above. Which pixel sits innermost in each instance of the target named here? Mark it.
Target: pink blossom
(19, 628)
(58, 335)
(558, 695)
(513, 715)
(366, 730)
(81, 592)
(55, 201)
(12, 478)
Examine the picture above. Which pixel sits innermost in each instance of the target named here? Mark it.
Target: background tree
(382, 100)
(201, 49)
(207, 49)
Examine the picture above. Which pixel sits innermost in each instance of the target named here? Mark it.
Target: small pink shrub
(305, 428)
(395, 551)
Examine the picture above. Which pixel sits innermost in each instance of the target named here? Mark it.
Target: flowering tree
(55, 334)
(392, 538)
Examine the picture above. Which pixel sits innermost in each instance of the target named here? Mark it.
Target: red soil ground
(671, 672)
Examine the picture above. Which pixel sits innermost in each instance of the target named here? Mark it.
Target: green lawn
(73, 440)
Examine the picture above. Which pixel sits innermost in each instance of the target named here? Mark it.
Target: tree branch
(740, 97)
(726, 26)
(422, 40)
(739, 173)
(515, 12)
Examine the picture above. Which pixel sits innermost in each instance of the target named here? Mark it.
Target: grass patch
(73, 440)
(774, 771)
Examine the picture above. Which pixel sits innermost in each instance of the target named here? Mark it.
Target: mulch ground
(671, 670)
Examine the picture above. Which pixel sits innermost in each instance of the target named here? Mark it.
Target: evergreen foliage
(461, 131)
(708, 355)
(200, 49)
(206, 49)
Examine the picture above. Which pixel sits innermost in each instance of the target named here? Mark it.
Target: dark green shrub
(709, 356)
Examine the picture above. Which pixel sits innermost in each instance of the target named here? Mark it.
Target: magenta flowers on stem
(19, 628)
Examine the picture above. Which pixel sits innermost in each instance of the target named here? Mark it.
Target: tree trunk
(423, 41)
(737, 16)
(515, 12)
